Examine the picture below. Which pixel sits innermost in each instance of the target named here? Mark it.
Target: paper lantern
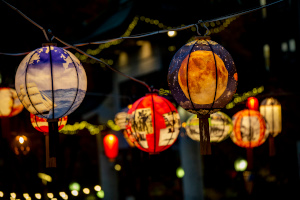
(111, 146)
(202, 78)
(270, 108)
(50, 82)
(121, 119)
(154, 123)
(220, 127)
(20, 145)
(10, 105)
(252, 103)
(249, 129)
(41, 124)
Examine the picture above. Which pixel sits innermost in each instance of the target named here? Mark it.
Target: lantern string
(30, 20)
(141, 34)
(92, 57)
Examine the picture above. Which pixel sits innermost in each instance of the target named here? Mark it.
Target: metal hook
(207, 30)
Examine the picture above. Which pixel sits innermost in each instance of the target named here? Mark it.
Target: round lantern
(111, 146)
(20, 145)
(50, 82)
(41, 124)
(121, 119)
(154, 123)
(249, 129)
(10, 105)
(252, 103)
(203, 79)
(220, 127)
(270, 108)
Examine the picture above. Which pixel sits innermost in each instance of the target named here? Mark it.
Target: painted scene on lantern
(142, 126)
(34, 84)
(220, 127)
(192, 75)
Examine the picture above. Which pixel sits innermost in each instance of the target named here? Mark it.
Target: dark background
(144, 176)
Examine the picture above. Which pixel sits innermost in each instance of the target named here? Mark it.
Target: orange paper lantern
(111, 146)
(249, 129)
(41, 124)
(10, 104)
(154, 123)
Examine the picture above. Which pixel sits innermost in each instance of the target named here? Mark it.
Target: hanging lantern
(270, 108)
(111, 146)
(121, 119)
(203, 79)
(20, 145)
(249, 129)
(51, 83)
(10, 105)
(41, 124)
(220, 127)
(154, 123)
(252, 103)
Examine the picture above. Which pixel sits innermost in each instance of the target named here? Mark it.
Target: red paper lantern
(111, 146)
(249, 129)
(10, 104)
(252, 103)
(154, 123)
(41, 124)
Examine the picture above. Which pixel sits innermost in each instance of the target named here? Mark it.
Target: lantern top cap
(270, 101)
(49, 44)
(202, 38)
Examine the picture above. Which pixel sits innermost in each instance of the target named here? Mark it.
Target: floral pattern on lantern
(10, 105)
(249, 129)
(270, 108)
(220, 127)
(51, 82)
(193, 80)
(41, 124)
(154, 123)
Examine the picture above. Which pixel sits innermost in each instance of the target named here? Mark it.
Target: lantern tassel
(271, 146)
(51, 143)
(250, 158)
(205, 147)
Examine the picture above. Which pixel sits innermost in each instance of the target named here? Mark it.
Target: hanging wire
(142, 34)
(92, 57)
(30, 20)
(128, 37)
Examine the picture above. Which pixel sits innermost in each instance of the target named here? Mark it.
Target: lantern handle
(203, 24)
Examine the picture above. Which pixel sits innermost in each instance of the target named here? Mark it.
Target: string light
(240, 98)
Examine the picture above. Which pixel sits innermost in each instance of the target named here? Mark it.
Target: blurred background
(263, 45)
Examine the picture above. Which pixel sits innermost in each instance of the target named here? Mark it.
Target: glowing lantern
(270, 108)
(154, 123)
(41, 124)
(203, 79)
(252, 103)
(220, 127)
(10, 105)
(20, 145)
(51, 83)
(121, 119)
(111, 146)
(249, 129)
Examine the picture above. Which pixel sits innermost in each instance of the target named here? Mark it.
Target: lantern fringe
(205, 147)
